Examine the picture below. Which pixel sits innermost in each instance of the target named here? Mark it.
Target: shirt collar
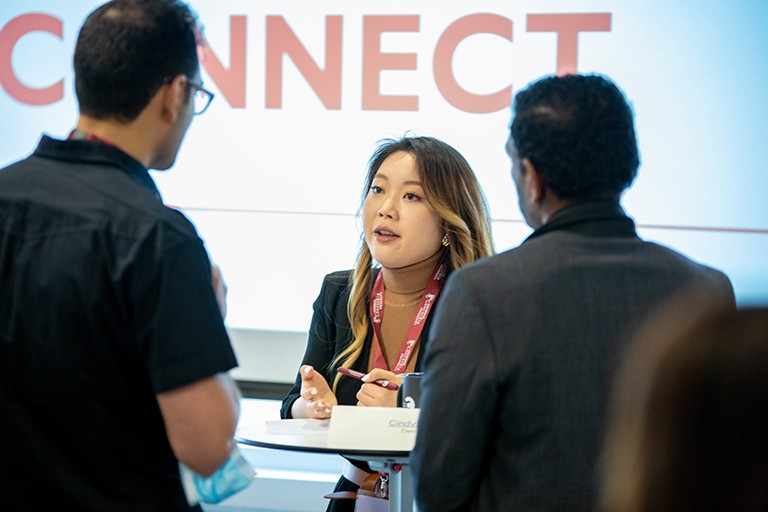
(94, 152)
(602, 217)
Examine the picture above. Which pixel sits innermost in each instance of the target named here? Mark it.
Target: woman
(424, 215)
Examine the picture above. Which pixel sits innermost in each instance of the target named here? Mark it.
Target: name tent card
(373, 428)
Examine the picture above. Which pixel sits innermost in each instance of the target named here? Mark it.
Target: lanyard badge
(434, 286)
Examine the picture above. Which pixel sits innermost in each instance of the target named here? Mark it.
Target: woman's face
(401, 228)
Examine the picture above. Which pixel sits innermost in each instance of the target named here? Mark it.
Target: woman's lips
(384, 235)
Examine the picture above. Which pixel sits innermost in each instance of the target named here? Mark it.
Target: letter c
(9, 35)
(443, 70)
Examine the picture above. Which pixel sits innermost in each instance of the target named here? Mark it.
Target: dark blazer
(521, 357)
(330, 333)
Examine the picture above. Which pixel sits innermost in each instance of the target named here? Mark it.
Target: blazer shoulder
(335, 291)
(337, 282)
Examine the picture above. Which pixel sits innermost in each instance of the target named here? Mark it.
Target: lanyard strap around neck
(90, 137)
(434, 286)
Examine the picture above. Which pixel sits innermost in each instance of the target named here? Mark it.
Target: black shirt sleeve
(182, 337)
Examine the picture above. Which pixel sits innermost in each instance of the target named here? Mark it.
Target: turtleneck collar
(412, 278)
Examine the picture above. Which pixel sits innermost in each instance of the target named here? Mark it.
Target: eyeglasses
(202, 97)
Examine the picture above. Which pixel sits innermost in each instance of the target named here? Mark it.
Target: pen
(359, 375)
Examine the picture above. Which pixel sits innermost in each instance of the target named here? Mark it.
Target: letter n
(231, 82)
(326, 83)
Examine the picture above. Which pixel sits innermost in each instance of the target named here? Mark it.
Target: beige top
(403, 289)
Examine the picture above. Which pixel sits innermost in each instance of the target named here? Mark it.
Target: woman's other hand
(317, 399)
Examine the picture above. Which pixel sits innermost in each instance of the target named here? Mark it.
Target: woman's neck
(412, 278)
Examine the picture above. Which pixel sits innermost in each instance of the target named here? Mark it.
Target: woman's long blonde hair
(453, 191)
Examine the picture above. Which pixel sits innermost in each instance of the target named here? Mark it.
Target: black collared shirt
(105, 301)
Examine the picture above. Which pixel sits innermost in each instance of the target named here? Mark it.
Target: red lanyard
(80, 135)
(409, 343)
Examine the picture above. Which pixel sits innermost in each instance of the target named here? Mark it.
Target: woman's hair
(452, 190)
(688, 430)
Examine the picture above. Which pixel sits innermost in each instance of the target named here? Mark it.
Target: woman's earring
(445, 240)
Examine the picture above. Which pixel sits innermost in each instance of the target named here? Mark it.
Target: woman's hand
(317, 399)
(373, 395)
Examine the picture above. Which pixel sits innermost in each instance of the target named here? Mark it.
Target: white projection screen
(271, 174)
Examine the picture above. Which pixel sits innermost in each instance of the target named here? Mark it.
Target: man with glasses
(113, 350)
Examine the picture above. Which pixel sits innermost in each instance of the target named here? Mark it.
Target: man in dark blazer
(524, 344)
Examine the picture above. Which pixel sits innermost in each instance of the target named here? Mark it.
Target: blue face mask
(232, 477)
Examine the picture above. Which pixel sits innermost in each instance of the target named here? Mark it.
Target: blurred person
(113, 350)
(689, 417)
(424, 215)
(523, 344)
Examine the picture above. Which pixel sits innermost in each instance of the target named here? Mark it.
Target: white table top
(312, 436)
(307, 436)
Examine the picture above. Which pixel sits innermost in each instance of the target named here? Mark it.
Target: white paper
(297, 427)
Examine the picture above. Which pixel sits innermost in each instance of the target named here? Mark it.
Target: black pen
(359, 376)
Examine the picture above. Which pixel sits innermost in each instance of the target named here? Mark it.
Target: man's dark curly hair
(127, 49)
(578, 131)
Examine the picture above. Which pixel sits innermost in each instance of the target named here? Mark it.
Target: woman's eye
(375, 189)
(411, 196)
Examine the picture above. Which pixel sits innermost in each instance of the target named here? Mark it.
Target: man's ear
(174, 98)
(534, 183)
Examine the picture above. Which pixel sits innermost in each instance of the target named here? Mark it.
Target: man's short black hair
(126, 49)
(578, 131)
